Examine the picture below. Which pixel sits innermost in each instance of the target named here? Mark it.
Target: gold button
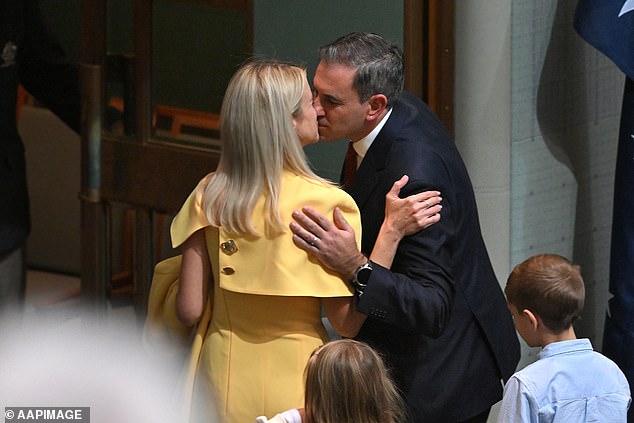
(228, 270)
(229, 247)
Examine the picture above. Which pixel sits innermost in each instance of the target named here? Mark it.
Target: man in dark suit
(438, 314)
(29, 55)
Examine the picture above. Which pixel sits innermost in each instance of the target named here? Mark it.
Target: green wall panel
(295, 29)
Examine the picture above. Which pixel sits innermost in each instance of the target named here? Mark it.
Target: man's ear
(533, 318)
(378, 104)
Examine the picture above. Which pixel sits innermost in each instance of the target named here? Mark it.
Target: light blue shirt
(569, 383)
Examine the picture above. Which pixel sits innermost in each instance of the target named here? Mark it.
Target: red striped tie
(349, 166)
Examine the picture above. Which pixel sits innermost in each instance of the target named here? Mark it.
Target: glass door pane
(196, 47)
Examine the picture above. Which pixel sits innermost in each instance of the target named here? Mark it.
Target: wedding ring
(313, 241)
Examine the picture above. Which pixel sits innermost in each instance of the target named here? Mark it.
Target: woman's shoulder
(191, 216)
(195, 197)
(298, 191)
(314, 187)
(204, 181)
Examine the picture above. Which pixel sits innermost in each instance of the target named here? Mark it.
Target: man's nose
(317, 106)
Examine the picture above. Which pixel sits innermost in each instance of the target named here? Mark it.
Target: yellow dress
(265, 305)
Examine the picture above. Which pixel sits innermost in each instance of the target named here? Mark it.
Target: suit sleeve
(416, 295)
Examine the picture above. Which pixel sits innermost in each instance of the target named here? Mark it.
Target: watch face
(363, 276)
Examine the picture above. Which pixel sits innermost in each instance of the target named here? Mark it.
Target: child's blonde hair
(347, 382)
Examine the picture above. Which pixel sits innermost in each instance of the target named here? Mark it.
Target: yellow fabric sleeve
(162, 327)
(191, 216)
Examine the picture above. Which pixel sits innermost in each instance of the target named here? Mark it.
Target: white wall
(537, 115)
(483, 118)
(483, 115)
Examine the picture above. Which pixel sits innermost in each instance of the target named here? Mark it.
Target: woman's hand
(403, 217)
(406, 216)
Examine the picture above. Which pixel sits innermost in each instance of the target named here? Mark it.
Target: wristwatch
(361, 277)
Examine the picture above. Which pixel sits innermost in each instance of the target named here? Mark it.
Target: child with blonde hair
(346, 382)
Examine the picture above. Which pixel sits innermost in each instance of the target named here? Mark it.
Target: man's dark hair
(379, 64)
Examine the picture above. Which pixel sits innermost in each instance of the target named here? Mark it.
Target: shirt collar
(563, 347)
(363, 145)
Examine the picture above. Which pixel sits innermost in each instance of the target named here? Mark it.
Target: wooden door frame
(429, 49)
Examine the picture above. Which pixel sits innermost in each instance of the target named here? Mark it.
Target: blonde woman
(254, 295)
(346, 382)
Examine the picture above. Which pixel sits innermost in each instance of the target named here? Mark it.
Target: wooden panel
(142, 68)
(441, 60)
(413, 46)
(428, 46)
(93, 34)
(155, 176)
(180, 117)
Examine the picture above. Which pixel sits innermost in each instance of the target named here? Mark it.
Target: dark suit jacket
(29, 55)
(439, 316)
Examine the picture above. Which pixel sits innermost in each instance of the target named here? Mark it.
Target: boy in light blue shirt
(570, 382)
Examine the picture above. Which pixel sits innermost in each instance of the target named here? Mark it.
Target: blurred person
(30, 56)
(58, 360)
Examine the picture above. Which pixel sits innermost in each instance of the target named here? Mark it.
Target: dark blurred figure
(29, 55)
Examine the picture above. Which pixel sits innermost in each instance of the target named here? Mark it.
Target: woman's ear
(378, 104)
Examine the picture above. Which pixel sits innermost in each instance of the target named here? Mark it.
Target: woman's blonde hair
(347, 382)
(259, 141)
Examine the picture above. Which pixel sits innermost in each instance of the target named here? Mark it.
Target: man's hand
(332, 243)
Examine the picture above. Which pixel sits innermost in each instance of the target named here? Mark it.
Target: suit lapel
(373, 164)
